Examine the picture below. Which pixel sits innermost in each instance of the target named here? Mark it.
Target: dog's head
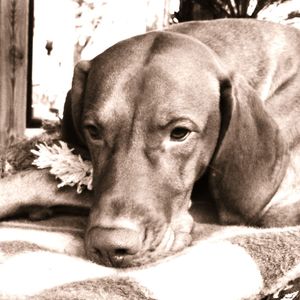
(156, 112)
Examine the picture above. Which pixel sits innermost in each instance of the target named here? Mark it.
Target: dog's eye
(94, 132)
(179, 133)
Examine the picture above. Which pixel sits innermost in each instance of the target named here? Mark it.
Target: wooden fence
(14, 20)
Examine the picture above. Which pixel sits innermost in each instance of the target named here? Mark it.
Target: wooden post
(14, 16)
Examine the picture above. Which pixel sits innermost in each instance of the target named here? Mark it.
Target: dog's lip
(167, 240)
(122, 261)
(117, 261)
(111, 260)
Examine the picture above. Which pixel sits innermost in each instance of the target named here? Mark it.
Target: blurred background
(42, 40)
(66, 31)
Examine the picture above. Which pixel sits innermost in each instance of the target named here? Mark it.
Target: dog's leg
(36, 188)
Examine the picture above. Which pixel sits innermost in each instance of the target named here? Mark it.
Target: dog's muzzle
(136, 245)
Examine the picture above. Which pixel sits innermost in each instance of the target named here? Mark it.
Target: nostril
(121, 251)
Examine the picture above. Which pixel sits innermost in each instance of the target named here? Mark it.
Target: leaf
(69, 168)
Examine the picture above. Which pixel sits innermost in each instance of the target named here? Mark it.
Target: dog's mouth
(155, 243)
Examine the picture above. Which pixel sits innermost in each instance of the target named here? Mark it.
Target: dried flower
(69, 168)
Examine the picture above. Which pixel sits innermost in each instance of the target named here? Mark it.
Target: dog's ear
(250, 158)
(71, 130)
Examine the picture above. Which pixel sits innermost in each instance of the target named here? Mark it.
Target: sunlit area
(67, 31)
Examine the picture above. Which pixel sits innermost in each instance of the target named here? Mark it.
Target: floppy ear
(71, 123)
(250, 159)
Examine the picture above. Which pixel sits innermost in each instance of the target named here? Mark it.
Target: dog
(204, 110)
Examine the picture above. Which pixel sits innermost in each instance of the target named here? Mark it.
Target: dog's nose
(115, 243)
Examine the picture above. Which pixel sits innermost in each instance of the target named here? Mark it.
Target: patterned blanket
(46, 260)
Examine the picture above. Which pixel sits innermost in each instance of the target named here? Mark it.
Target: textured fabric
(46, 260)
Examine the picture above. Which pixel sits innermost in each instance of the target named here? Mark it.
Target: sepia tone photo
(150, 149)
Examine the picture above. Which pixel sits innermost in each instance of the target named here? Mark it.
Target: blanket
(46, 259)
